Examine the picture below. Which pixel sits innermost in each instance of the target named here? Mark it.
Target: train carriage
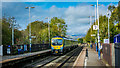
(60, 45)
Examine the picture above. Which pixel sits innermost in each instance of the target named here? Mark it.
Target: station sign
(106, 40)
(1, 50)
(33, 36)
(95, 27)
(8, 50)
(93, 35)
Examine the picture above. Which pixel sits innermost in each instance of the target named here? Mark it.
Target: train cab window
(57, 41)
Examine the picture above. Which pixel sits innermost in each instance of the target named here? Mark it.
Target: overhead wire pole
(98, 33)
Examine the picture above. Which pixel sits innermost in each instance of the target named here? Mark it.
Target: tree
(103, 26)
(62, 26)
(80, 40)
(7, 32)
(111, 8)
(40, 30)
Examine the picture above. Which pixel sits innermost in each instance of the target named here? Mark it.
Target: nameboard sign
(1, 50)
(106, 40)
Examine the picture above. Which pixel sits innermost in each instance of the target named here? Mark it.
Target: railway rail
(66, 60)
(45, 60)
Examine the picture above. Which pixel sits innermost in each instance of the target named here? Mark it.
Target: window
(57, 41)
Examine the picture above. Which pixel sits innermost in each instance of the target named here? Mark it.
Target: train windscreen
(57, 41)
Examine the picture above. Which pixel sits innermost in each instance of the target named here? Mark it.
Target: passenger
(86, 52)
(101, 49)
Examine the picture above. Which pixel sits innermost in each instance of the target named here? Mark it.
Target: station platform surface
(15, 57)
(91, 61)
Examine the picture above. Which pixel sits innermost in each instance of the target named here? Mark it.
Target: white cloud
(77, 18)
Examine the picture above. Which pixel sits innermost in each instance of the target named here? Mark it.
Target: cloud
(77, 19)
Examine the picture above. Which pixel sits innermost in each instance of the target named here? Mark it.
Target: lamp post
(90, 26)
(30, 26)
(98, 32)
(108, 26)
(48, 29)
(95, 24)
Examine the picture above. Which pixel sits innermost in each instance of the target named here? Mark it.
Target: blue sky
(59, 0)
(75, 13)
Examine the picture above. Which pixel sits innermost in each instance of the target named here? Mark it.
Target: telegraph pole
(13, 24)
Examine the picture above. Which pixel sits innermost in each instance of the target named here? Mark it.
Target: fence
(17, 49)
(117, 55)
(108, 52)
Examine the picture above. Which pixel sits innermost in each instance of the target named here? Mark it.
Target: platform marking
(85, 63)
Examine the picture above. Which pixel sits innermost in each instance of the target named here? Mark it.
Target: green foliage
(58, 27)
(7, 32)
(80, 40)
(103, 26)
(111, 8)
(40, 30)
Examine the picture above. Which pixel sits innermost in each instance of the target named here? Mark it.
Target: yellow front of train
(57, 45)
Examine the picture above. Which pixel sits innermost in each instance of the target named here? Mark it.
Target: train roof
(64, 38)
(57, 36)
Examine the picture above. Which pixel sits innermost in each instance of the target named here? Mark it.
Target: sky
(75, 13)
(59, 0)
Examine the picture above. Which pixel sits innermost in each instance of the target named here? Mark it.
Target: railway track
(46, 60)
(66, 60)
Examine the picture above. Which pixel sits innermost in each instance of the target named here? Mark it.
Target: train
(59, 45)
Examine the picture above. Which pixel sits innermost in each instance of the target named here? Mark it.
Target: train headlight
(52, 47)
(61, 47)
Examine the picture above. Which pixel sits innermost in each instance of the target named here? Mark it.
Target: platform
(90, 61)
(21, 56)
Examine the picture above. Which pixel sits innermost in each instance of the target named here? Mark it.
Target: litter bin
(117, 50)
